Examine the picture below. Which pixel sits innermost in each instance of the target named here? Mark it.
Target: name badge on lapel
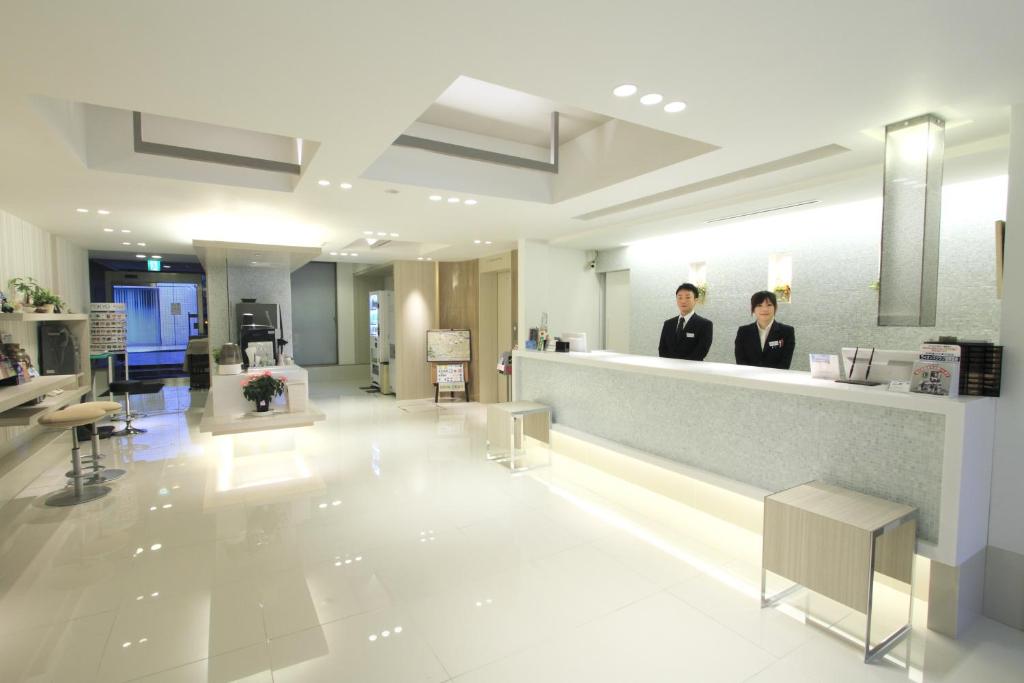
(690, 335)
(776, 344)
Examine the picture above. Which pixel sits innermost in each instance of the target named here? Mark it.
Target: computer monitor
(886, 364)
(577, 340)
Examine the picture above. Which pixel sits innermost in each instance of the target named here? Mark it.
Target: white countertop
(763, 379)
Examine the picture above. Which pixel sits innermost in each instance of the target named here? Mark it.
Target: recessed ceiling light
(476, 241)
(140, 244)
(394, 234)
(371, 241)
(323, 183)
(453, 200)
(125, 230)
(140, 256)
(108, 230)
(625, 90)
(167, 267)
(127, 244)
(82, 210)
(367, 232)
(156, 256)
(382, 234)
(353, 254)
(419, 258)
(436, 197)
(675, 107)
(334, 253)
(651, 99)
(344, 253)
(103, 212)
(470, 202)
(346, 186)
(429, 259)
(488, 242)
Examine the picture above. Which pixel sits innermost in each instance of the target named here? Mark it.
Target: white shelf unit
(74, 386)
(42, 317)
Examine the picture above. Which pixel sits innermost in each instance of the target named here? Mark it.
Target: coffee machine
(257, 334)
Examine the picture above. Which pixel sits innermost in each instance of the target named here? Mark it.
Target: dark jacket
(691, 343)
(778, 346)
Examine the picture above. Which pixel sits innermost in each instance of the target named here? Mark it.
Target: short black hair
(762, 296)
(690, 288)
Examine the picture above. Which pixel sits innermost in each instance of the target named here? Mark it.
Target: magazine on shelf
(937, 370)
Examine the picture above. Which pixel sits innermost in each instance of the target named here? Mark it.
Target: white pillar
(1004, 571)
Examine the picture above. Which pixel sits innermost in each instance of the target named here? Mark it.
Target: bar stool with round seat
(73, 417)
(99, 474)
(126, 387)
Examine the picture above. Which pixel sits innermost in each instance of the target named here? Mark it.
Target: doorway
(161, 320)
(496, 327)
(315, 314)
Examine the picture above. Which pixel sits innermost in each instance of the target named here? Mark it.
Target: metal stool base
(104, 476)
(67, 497)
(128, 431)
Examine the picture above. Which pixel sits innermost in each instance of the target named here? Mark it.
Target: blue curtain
(143, 308)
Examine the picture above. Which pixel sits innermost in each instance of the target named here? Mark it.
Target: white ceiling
(763, 81)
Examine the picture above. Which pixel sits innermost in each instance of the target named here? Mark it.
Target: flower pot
(262, 406)
(45, 308)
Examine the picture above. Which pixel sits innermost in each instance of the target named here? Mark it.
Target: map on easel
(448, 346)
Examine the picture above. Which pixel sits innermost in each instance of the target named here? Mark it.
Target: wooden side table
(508, 425)
(832, 541)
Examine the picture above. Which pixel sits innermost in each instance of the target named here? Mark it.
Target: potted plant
(702, 288)
(26, 287)
(45, 301)
(261, 390)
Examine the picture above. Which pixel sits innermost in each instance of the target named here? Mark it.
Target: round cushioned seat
(108, 406)
(73, 416)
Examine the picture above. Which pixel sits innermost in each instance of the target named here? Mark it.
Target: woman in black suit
(765, 343)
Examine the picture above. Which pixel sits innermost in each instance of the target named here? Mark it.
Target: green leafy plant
(26, 286)
(261, 389)
(702, 288)
(784, 292)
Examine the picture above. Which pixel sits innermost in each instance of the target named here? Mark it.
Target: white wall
(55, 263)
(346, 314)
(835, 253)
(556, 281)
(1004, 581)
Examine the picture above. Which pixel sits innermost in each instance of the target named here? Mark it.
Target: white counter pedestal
(227, 410)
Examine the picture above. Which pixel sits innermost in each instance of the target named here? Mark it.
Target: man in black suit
(687, 335)
(765, 342)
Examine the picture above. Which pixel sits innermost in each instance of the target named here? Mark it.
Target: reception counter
(773, 429)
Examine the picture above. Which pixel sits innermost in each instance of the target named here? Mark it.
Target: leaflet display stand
(450, 377)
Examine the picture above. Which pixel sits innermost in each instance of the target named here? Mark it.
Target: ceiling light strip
(760, 211)
(810, 155)
(205, 155)
(485, 155)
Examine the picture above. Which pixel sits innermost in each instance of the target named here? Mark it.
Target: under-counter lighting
(323, 183)
(675, 107)
(650, 99)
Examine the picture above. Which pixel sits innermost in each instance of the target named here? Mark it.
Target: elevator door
(315, 314)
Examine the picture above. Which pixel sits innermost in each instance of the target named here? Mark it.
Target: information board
(447, 346)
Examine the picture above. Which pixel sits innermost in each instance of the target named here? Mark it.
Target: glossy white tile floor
(382, 546)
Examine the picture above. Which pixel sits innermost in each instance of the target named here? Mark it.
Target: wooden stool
(98, 473)
(73, 417)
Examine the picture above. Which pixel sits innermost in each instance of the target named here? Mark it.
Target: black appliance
(58, 350)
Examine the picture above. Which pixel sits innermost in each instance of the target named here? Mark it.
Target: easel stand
(451, 378)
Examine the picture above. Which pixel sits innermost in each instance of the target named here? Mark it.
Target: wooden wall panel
(458, 297)
(415, 313)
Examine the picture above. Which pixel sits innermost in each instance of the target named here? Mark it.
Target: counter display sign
(451, 377)
(937, 370)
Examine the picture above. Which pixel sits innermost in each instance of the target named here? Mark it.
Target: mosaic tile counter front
(767, 439)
